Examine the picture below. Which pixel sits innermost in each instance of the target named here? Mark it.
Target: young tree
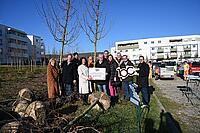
(60, 17)
(93, 22)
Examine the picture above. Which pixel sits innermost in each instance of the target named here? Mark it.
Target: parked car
(194, 68)
(167, 71)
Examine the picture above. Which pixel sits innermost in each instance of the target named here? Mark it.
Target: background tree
(60, 17)
(93, 22)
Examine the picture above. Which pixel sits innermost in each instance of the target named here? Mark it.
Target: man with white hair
(102, 84)
(69, 74)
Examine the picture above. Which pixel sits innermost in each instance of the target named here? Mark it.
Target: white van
(166, 71)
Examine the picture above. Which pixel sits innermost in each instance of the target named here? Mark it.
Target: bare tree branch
(61, 21)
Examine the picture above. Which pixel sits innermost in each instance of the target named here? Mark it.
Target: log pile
(27, 114)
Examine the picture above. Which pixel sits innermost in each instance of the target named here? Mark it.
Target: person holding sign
(129, 79)
(84, 86)
(102, 84)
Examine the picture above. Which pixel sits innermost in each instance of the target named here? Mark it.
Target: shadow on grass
(167, 124)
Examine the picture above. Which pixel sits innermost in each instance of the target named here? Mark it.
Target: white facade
(37, 49)
(165, 48)
(14, 45)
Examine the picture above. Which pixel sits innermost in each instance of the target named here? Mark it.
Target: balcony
(187, 56)
(17, 46)
(18, 54)
(187, 48)
(128, 47)
(25, 38)
(160, 56)
(173, 56)
(173, 50)
(160, 50)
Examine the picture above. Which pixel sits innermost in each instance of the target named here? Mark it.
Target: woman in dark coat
(52, 81)
(113, 79)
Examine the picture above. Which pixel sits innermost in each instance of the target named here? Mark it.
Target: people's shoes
(144, 106)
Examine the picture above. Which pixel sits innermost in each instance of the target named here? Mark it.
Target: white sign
(134, 97)
(123, 73)
(97, 73)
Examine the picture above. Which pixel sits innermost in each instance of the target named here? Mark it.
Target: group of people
(73, 76)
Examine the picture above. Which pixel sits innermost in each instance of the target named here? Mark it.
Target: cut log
(16, 127)
(37, 111)
(20, 107)
(103, 99)
(26, 94)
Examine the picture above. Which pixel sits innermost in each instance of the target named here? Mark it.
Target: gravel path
(187, 113)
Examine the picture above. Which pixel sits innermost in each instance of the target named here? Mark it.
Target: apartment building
(14, 45)
(177, 48)
(17, 48)
(37, 49)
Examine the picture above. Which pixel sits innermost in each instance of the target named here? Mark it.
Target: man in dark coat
(127, 81)
(105, 55)
(76, 63)
(143, 81)
(102, 84)
(69, 75)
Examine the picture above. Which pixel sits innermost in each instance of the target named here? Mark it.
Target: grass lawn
(171, 107)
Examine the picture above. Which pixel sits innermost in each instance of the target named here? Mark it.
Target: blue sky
(127, 19)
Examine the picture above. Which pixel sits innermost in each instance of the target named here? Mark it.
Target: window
(153, 54)
(1, 51)
(0, 41)
(145, 42)
(152, 48)
(172, 46)
(159, 41)
(11, 40)
(152, 42)
(0, 32)
(194, 46)
(126, 50)
(176, 40)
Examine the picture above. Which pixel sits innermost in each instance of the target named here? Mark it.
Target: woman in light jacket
(84, 87)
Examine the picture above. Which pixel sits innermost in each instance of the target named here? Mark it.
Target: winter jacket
(113, 72)
(84, 86)
(143, 75)
(104, 64)
(52, 81)
(69, 72)
(76, 63)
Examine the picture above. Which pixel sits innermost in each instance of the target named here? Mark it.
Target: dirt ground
(13, 80)
(188, 109)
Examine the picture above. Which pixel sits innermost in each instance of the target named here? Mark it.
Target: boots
(52, 104)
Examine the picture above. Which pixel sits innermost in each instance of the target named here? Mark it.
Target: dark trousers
(145, 95)
(85, 98)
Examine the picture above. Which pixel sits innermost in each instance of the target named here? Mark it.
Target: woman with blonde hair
(52, 82)
(84, 86)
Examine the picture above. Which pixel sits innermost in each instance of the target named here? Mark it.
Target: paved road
(188, 113)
